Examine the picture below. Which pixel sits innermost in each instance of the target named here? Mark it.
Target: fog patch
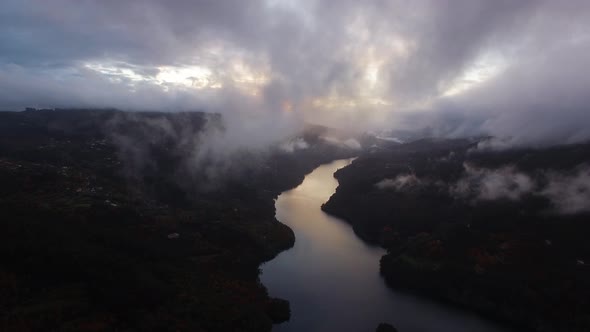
(495, 144)
(569, 194)
(399, 183)
(352, 144)
(200, 151)
(349, 143)
(448, 157)
(492, 184)
(294, 145)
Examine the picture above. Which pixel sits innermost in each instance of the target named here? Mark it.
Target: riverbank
(512, 256)
(107, 227)
(331, 277)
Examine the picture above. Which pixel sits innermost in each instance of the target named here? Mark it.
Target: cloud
(399, 183)
(294, 145)
(196, 151)
(492, 184)
(535, 103)
(567, 191)
(353, 144)
(570, 194)
(349, 143)
(512, 69)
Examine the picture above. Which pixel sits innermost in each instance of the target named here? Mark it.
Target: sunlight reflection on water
(331, 277)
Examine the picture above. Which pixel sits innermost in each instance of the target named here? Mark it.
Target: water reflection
(331, 277)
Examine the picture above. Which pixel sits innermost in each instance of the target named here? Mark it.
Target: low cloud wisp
(492, 184)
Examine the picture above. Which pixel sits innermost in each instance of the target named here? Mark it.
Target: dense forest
(111, 222)
(500, 232)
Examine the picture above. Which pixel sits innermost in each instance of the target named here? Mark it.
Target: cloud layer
(512, 69)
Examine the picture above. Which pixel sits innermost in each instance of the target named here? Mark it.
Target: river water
(331, 277)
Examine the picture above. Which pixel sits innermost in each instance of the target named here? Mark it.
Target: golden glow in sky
(238, 74)
(194, 76)
(368, 93)
(482, 70)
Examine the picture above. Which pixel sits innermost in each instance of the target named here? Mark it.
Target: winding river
(331, 277)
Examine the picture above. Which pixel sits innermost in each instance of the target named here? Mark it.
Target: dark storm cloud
(338, 61)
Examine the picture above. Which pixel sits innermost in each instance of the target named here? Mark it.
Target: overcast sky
(514, 69)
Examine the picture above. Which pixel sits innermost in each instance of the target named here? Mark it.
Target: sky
(516, 70)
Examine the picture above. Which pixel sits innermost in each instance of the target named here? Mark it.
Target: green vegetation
(98, 235)
(515, 259)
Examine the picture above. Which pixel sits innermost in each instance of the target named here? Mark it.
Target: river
(331, 277)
